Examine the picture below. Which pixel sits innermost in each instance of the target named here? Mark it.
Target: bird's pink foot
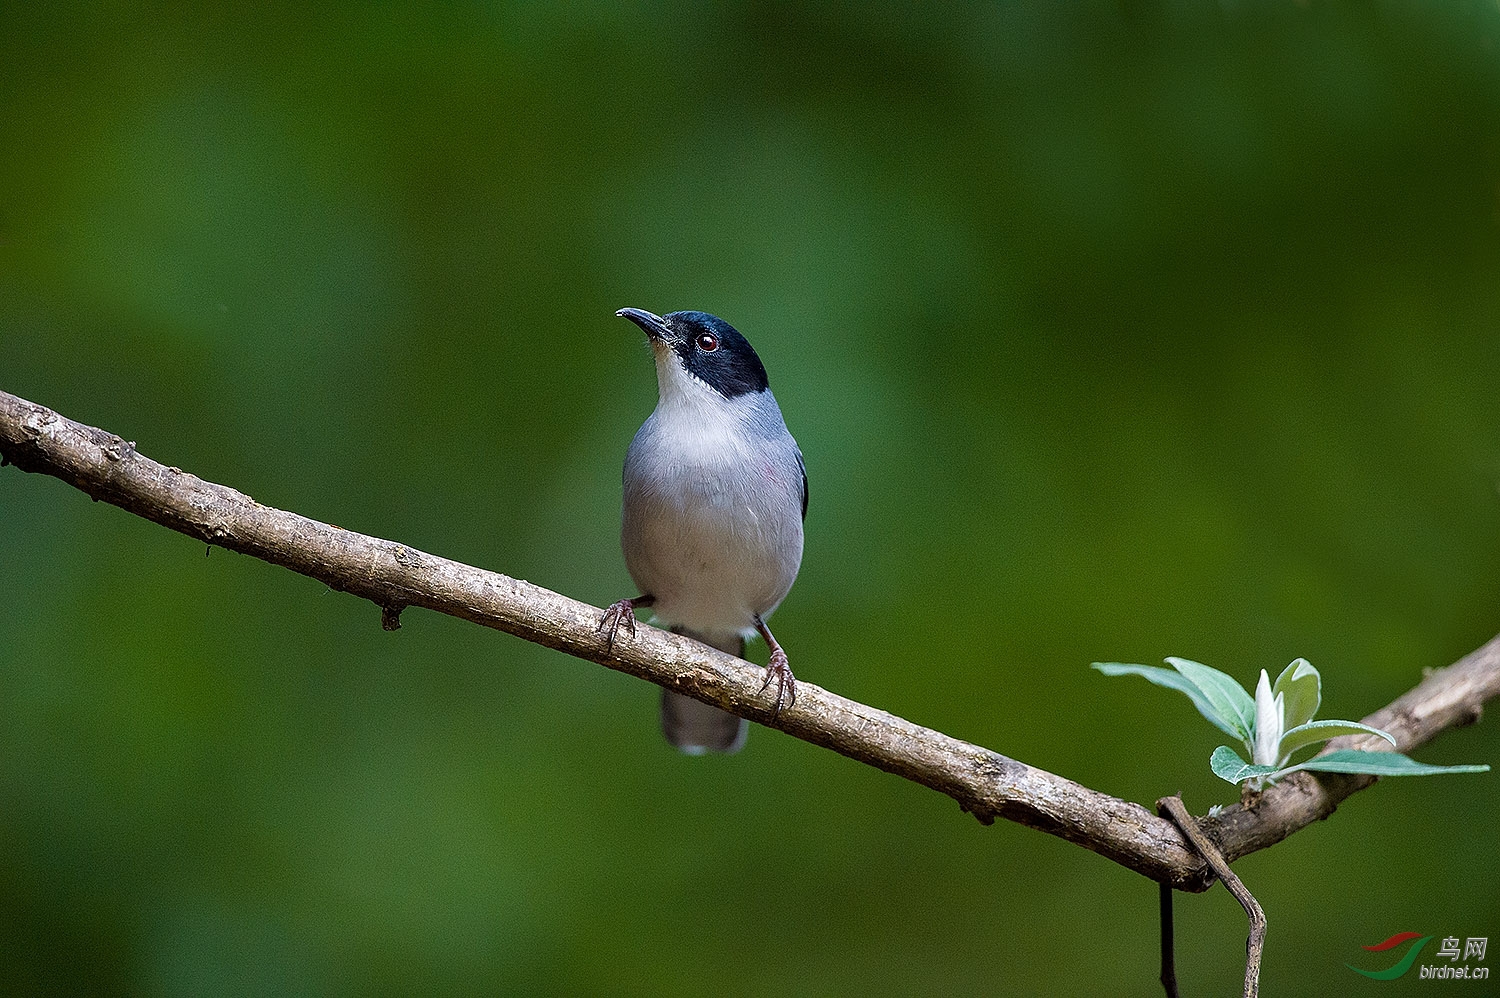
(786, 684)
(618, 615)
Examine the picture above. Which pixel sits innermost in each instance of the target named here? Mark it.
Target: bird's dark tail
(695, 727)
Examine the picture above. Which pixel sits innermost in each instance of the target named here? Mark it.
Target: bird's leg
(779, 669)
(619, 613)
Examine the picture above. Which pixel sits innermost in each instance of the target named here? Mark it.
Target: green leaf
(1320, 731)
(1302, 687)
(1227, 765)
(1227, 697)
(1172, 681)
(1375, 764)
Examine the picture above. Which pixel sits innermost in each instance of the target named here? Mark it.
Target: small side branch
(1168, 944)
(1255, 945)
(984, 783)
(1169, 959)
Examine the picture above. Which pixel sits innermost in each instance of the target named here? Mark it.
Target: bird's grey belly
(712, 555)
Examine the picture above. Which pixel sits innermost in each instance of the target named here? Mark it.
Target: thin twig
(984, 783)
(1255, 945)
(1168, 949)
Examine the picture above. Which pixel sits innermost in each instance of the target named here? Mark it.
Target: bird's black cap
(709, 348)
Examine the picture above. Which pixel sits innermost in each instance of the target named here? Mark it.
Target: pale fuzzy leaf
(1375, 764)
(1320, 731)
(1227, 765)
(1269, 724)
(1303, 689)
(1227, 697)
(1171, 680)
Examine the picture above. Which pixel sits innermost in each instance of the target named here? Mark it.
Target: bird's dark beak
(654, 325)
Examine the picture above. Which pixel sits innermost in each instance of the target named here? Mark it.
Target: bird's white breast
(713, 514)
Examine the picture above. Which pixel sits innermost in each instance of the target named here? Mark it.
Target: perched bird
(715, 496)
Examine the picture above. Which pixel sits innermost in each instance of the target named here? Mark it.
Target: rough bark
(985, 783)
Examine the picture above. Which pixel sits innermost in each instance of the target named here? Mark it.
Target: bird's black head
(707, 347)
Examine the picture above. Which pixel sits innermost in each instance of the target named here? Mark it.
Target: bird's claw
(619, 613)
(786, 684)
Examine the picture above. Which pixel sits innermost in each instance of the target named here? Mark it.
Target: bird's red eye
(708, 342)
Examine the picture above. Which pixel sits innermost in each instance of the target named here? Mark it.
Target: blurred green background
(1110, 331)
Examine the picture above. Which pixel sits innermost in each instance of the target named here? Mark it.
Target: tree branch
(1255, 944)
(1446, 698)
(984, 783)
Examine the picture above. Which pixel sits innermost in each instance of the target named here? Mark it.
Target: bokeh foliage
(1110, 331)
